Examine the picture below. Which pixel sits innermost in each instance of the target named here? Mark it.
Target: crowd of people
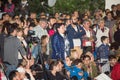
(60, 46)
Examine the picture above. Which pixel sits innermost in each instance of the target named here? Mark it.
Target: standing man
(12, 46)
(60, 44)
(75, 33)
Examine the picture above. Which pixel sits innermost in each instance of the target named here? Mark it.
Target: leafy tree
(66, 6)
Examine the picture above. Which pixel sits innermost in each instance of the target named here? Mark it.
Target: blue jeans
(9, 68)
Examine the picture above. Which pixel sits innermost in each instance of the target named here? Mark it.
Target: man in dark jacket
(59, 42)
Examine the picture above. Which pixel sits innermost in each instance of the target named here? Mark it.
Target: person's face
(25, 32)
(43, 24)
(33, 16)
(101, 24)
(68, 22)
(106, 41)
(76, 13)
(114, 8)
(113, 62)
(60, 65)
(47, 40)
(56, 68)
(52, 21)
(68, 61)
(74, 20)
(91, 56)
(86, 61)
(86, 24)
(15, 32)
(20, 33)
(56, 15)
(79, 65)
(109, 16)
(61, 29)
(6, 17)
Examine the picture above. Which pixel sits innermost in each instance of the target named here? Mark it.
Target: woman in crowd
(9, 8)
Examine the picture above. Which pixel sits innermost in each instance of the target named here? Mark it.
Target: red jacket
(115, 74)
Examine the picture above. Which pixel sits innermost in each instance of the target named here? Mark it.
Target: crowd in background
(60, 46)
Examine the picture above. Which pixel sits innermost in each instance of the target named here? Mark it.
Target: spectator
(114, 11)
(11, 47)
(112, 61)
(52, 75)
(89, 67)
(117, 33)
(115, 74)
(103, 53)
(9, 8)
(74, 33)
(101, 30)
(5, 17)
(110, 22)
(60, 44)
(50, 27)
(88, 40)
(78, 71)
(14, 75)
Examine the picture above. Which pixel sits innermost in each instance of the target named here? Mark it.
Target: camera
(31, 33)
(30, 38)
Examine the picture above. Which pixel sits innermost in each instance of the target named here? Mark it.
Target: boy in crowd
(103, 54)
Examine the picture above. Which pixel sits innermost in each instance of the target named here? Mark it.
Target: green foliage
(67, 6)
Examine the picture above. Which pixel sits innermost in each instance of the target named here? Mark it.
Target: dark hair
(113, 6)
(86, 56)
(12, 74)
(5, 26)
(57, 25)
(108, 13)
(112, 57)
(32, 24)
(43, 19)
(103, 38)
(51, 18)
(43, 38)
(19, 29)
(114, 45)
(11, 28)
(52, 64)
(74, 78)
(76, 62)
(5, 15)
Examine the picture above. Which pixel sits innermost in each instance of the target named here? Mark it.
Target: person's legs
(9, 68)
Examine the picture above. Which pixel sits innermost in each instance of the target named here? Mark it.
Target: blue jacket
(103, 51)
(74, 71)
(58, 46)
(72, 34)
